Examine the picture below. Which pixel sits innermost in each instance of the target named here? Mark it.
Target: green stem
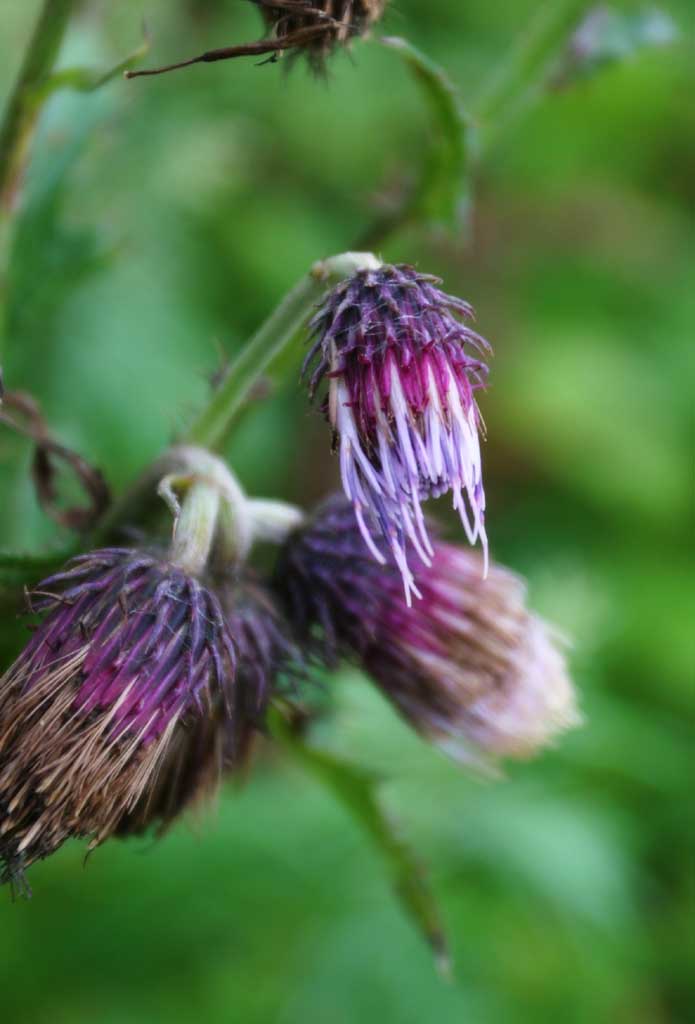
(356, 790)
(213, 426)
(18, 124)
(195, 527)
(525, 67)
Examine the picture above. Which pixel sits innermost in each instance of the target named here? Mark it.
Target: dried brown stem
(258, 49)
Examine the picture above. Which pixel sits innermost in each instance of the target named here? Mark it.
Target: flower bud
(469, 666)
(219, 744)
(132, 653)
(390, 347)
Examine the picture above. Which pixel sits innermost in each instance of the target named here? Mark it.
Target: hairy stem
(212, 428)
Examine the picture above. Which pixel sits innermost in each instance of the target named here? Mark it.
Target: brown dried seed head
(320, 25)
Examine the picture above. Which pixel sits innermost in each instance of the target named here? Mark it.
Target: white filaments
(413, 457)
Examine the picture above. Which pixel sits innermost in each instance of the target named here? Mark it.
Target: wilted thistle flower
(400, 397)
(469, 666)
(320, 25)
(132, 653)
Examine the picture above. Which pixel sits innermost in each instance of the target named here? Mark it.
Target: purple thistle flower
(220, 743)
(401, 400)
(131, 651)
(469, 666)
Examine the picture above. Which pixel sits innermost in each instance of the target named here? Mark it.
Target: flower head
(132, 654)
(391, 347)
(220, 743)
(469, 666)
(265, 649)
(320, 25)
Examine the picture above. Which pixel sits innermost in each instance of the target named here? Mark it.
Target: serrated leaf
(442, 196)
(356, 789)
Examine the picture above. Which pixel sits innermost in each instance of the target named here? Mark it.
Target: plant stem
(523, 70)
(212, 427)
(195, 527)
(18, 124)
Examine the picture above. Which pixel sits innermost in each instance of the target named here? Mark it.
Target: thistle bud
(132, 654)
(210, 747)
(469, 666)
(390, 347)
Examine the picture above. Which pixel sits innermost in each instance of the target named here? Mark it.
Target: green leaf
(52, 254)
(19, 571)
(442, 196)
(356, 789)
(608, 36)
(87, 79)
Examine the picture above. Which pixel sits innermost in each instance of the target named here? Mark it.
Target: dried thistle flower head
(323, 24)
(311, 27)
(132, 653)
(469, 666)
(391, 348)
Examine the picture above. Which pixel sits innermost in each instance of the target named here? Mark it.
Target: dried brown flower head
(310, 27)
(322, 25)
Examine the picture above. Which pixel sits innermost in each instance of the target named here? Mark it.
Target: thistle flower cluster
(151, 670)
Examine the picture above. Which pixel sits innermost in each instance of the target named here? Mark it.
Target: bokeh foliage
(164, 220)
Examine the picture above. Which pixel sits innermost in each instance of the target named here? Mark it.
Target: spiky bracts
(332, 588)
(468, 665)
(131, 651)
(391, 349)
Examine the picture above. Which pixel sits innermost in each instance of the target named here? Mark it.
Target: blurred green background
(165, 218)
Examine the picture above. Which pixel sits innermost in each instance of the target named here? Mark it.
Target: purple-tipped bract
(392, 350)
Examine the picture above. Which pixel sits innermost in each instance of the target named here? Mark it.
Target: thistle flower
(132, 654)
(319, 25)
(218, 744)
(400, 398)
(469, 666)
